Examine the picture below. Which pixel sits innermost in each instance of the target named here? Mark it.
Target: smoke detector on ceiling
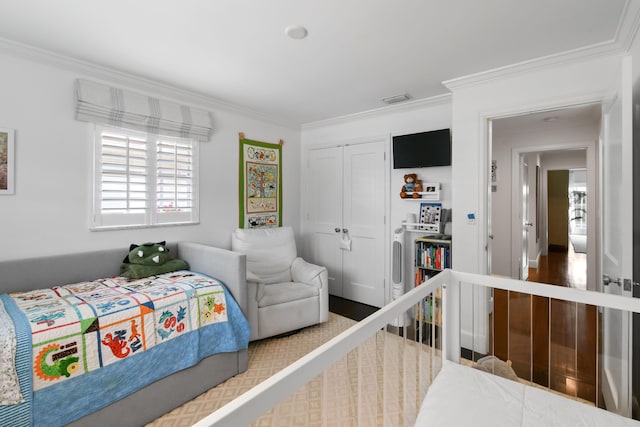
(296, 31)
(397, 98)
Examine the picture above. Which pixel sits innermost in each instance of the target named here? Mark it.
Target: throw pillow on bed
(150, 259)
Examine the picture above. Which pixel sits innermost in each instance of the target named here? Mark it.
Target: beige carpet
(266, 357)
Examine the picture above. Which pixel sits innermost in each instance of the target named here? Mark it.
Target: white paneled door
(617, 243)
(324, 213)
(346, 219)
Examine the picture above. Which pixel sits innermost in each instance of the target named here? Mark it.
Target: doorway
(540, 143)
(578, 210)
(532, 156)
(614, 261)
(565, 263)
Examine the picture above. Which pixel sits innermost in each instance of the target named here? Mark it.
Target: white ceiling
(357, 51)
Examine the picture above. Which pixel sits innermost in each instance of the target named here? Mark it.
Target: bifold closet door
(363, 218)
(325, 213)
(346, 208)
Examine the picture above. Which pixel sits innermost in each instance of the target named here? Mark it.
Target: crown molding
(576, 55)
(413, 105)
(154, 87)
(619, 44)
(628, 25)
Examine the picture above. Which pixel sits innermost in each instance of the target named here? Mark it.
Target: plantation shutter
(99, 103)
(124, 182)
(174, 180)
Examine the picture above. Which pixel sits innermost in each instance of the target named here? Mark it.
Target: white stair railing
(334, 362)
(377, 374)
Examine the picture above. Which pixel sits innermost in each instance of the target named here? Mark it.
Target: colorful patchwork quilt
(89, 329)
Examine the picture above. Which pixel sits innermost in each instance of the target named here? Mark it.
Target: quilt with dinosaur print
(87, 330)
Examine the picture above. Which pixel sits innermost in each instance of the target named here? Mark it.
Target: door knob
(337, 230)
(606, 280)
(344, 230)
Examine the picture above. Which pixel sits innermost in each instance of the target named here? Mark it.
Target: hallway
(562, 268)
(550, 342)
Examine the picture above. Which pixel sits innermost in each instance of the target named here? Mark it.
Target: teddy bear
(411, 185)
(493, 365)
(417, 189)
(149, 259)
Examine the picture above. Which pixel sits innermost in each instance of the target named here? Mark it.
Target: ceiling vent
(397, 98)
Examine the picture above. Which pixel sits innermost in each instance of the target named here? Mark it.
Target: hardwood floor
(552, 343)
(350, 309)
(563, 268)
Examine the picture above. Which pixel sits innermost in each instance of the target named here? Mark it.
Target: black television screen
(421, 150)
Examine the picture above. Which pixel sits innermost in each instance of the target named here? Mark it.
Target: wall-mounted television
(422, 150)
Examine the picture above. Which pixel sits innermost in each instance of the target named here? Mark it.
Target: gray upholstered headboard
(47, 271)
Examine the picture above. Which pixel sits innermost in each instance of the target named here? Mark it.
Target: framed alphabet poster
(260, 187)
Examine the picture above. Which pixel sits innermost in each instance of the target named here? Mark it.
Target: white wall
(400, 120)
(49, 212)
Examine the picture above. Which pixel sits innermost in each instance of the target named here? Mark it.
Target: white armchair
(285, 292)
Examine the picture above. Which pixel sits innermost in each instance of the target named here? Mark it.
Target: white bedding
(461, 395)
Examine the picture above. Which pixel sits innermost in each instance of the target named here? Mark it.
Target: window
(143, 180)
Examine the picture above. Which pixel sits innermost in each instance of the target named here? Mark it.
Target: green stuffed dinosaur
(150, 259)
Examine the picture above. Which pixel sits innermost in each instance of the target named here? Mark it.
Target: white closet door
(325, 213)
(346, 203)
(363, 219)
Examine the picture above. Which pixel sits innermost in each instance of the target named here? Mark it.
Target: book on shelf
(429, 310)
(433, 257)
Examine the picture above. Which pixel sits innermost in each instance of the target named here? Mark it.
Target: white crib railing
(378, 371)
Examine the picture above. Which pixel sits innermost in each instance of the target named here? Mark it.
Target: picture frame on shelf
(429, 216)
(431, 191)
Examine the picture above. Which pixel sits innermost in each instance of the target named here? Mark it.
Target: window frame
(100, 221)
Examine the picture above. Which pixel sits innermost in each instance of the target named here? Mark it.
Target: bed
(397, 368)
(201, 340)
(461, 395)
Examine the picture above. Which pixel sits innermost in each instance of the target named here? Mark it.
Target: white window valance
(99, 103)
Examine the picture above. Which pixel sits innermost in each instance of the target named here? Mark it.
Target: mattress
(461, 395)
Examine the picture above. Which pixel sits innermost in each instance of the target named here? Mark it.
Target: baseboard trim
(533, 263)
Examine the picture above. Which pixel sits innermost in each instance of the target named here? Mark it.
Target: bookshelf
(432, 255)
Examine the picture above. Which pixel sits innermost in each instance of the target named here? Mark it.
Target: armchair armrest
(311, 274)
(252, 277)
(258, 283)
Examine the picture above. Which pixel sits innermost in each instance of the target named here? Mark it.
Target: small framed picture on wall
(7, 161)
